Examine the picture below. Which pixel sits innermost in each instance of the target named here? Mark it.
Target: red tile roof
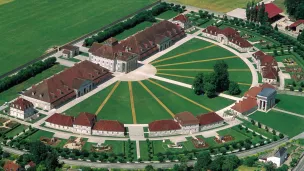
(213, 30)
(253, 92)
(11, 166)
(70, 47)
(186, 118)
(163, 125)
(60, 119)
(258, 55)
(270, 72)
(31, 164)
(209, 118)
(266, 85)
(268, 60)
(182, 18)
(243, 43)
(21, 104)
(272, 10)
(61, 86)
(298, 22)
(229, 32)
(109, 125)
(244, 105)
(85, 119)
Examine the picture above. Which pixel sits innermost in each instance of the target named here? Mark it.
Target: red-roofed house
(270, 74)
(182, 21)
(209, 120)
(297, 26)
(11, 166)
(60, 121)
(245, 106)
(66, 85)
(29, 165)
(188, 122)
(229, 37)
(108, 128)
(272, 10)
(22, 109)
(84, 122)
(69, 51)
(164, 128)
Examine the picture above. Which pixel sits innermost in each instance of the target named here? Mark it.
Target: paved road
(300, 165)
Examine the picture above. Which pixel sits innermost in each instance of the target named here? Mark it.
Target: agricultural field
(12, 93)
(167, 15)
(219, 5)
(285, 123)
(118, 106)
(25, 36)
(290, 103)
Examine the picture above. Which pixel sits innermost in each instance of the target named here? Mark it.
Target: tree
(275, 52)
(281, 135)
(234, 88)
(41, 167)
(198, 84)
(39, 151)
(248, 11)
(222, 76)
(230, 163)
(210, 84)
(270, 166)
(276, 27)
(300, 37)
(149, 168)
(250, 161)
(203, 160)
(284, 167)
(216, 164)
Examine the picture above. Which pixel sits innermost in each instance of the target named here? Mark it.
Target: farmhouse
(164, 128)
(256, 98)
(22, 109)
(69, 84)
(209, 121)
(182, 21)
(279, 157)
(273, 11)
(69, 51)
(84, 122)
(188, 122)
(229, 37)
(11, 166)
(60, 121)
(108, 128)
(297, 26)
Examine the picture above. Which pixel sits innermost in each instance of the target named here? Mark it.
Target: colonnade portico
(266, 99)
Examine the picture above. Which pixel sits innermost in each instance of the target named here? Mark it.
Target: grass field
(12, 93)
(36, 136)
(291, 103)
(246, 168)
(26, 35)
(167, 15)
(285, 123)
(133, 30)
(16, 131)
(218, 5)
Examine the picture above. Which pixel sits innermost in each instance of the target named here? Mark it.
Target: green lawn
(235, 134)
(290, 103)
(218, 5)
(117, 146)
(16, 131)
(12, 93)
(246, 168)
(25, 36)
(36, 136)
(133, 30)
(62, 143)
(87, 146)
(160, 147)
(167, 15)
(257, 129)
(144, 150)
(285, 123)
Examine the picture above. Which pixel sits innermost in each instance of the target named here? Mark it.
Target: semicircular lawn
(198, 56)
(142, 102)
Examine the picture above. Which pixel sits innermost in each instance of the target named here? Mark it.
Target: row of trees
(256, 13)
(295, 8)
(26, 73)
(217, 81)
(147, 15)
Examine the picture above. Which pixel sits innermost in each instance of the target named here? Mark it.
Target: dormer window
(33, 93)
(41, 95)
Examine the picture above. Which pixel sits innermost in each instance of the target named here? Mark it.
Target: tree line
(295, 8)
(213, 82)
(26, 73)
(147, 15)
(256, 12)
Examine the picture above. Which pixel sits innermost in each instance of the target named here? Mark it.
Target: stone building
(69, 51)
(67, 85)
(160, 128)
(209, 121)
(60, 121)
(182, 21)
(297, 26)
(108, 128)
(188, 122)
(22, 109)
(229, 37)
(266, 99)
(84, 122)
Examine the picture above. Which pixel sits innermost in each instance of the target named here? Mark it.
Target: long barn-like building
(123, 56)
(66, 85)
